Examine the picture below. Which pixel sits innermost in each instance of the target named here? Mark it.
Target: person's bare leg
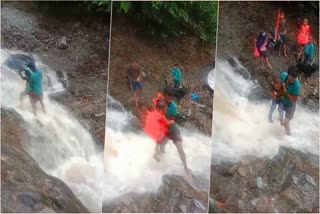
(280, 50)
(157, 153)
(182, 156)
(42, 106)
(286, 126)
(21, 99)
(268, 63)
(33, 105)
(285, 50)
(163, 147)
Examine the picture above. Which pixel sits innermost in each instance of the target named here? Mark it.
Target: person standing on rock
(134, 79)
(176, 75)
(291, 91)
(36, 93)
(309, 51)
(304, 32)
(262, 44)
(282, 35)
(173, 130)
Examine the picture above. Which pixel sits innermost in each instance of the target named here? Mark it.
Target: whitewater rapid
(130, 166)
(58, 142)
(241, 127)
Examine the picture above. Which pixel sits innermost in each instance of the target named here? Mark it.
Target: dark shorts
(35, 97)
(283, 40)
(136, 85)
(290, 111)
(174, 135)
(264, 54)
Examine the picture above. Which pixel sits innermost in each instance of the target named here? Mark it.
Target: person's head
(310, 38)
(161, 106)
(305, 21)
(277, 82)
(32, 67)
(282, 15)
(292, 74)
(134, 65)
(168, 94)
(270, 34)
(175, 65)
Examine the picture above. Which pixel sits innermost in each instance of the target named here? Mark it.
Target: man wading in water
(174, 132)
(291, 91)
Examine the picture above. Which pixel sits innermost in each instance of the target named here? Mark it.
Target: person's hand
(284, 87)
(171, 122)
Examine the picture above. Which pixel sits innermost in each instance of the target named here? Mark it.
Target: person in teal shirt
(176, 75)
(25, 77)
(36, 93)
(309, 51)
(291, 88)
(173, 130)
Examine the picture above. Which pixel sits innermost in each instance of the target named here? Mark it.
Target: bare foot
(156, 157)
(188, 175)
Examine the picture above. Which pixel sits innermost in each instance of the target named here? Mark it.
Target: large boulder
(289, 182)
(174, 195)
(24, 186)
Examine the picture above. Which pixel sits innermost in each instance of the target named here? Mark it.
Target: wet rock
(310, 180)
(174, 195)
(100, 114)
(242, 171)
(24, 186)
(62, 44)
(288, 182)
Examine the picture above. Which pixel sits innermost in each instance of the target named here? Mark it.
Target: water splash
(58, 142)
(241, 127)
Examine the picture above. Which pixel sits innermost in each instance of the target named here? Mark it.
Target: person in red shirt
(304, 32)
(161, 108)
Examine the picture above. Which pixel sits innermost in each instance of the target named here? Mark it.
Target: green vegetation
(167, 19)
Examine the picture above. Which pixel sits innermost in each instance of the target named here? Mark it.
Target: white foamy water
(133, 168)
(58, 142)
(241, 127)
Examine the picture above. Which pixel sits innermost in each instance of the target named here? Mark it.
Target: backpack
(260, 40)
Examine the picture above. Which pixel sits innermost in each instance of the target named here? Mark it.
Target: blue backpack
(260, 40)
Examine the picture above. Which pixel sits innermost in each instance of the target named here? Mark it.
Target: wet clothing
(135, 85)
(36, 83)
(293, 89)
(172, 111)
(27, 78)
(289, 110)
(273, 106)
(35, 97)
(303, 35)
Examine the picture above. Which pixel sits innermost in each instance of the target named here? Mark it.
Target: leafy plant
(168, 19)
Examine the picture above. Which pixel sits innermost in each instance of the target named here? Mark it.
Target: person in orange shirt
(304, 32)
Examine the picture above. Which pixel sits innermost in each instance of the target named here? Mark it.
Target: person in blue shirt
(36, 93)
(291, 91)
(309, 51)
(176, 75)
(173, 130)
(26, 77)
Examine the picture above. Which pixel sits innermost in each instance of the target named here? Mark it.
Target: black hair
(293, 71)
(168, 91)
(32, 67)
(160, 104)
